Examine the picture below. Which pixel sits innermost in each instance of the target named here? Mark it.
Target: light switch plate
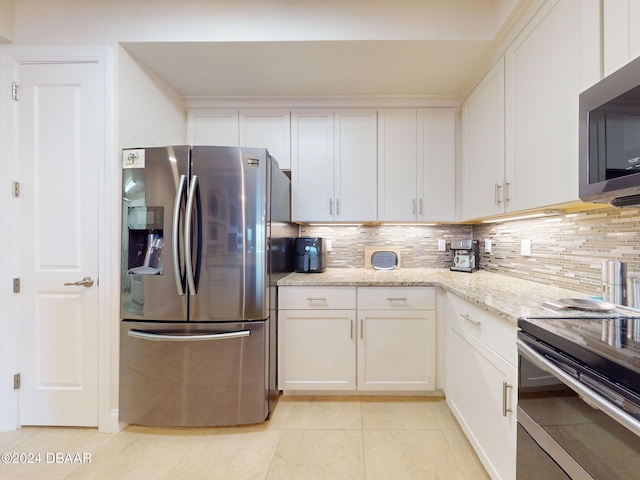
(525, 247)
(442, 245)
(487, 245)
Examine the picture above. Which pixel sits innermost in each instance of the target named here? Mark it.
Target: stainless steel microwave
(610, 139)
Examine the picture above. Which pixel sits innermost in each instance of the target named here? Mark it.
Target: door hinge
(15, 187)
(14, 90)
(16, 285)
(16, 381)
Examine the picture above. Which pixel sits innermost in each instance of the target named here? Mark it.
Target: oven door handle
(590, 397)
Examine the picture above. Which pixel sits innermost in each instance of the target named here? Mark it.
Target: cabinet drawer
(495, 332)
(400, 298)
(317, 298)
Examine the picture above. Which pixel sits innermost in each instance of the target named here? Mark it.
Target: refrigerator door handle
(176, 234)
(159, 337)
(188, 235)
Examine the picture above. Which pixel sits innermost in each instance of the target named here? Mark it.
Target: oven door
(563, 430)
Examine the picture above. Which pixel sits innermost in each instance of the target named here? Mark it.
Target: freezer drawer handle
(159, 337)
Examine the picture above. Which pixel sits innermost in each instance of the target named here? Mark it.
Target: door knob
(85, 282)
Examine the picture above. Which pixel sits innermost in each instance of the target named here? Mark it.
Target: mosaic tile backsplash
(566, 250)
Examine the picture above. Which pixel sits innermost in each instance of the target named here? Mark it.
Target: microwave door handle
(593, 398)
(188, 236)
(177, 268)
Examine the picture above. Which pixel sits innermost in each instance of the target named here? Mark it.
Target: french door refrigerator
(206, 236)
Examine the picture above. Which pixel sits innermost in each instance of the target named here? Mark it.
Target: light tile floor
(306, 438)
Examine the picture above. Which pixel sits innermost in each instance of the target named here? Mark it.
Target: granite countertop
(507, 297)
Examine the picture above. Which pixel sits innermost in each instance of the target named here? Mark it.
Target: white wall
(6, 21)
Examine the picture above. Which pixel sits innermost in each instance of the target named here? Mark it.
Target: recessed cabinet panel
(270, 129)
(396, 350)
(397, 158)
(481, 177)
(213, 127)
(312, 170)
(356, 166)
(316, 350)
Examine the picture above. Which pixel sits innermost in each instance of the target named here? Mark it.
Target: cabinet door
(397, 164)
(270, 129)
(316, 350)
(312, 174)
(436, 165)
(482, 169)
(543, 78)
(396, 350)
(621, 33)
(356, 176)
(482, 395)
(213, 127)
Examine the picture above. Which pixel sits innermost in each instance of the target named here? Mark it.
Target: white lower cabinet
(387, 346)
(316, 350)
(481, 385)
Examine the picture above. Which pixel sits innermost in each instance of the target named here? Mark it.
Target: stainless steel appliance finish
(199, 374)
(609, 138)
(578, 398)
(206, 236)
(466, 257)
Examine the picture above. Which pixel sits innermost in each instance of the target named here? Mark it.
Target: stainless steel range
(579, 398)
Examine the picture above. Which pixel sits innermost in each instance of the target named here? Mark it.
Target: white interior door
(58, 146)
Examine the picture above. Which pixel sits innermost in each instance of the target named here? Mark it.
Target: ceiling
(313, 68)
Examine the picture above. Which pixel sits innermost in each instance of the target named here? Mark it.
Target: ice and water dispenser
(146, 239)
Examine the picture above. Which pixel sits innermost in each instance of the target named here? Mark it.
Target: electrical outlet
(525, 247)
(487, 245)
(328, 245)
(442, 245)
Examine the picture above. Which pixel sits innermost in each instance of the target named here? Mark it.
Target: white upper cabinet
(213, 127)
(543, 78)
(520, 127)
(436, 171)
(481, 176)
(333, 167)
(260, 128)
(397, 158)
(416, 165)
(270, 129)
(621, 32)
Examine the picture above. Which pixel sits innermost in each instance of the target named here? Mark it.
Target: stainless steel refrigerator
(206, 236)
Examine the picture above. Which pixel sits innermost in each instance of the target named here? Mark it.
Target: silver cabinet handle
(469, 319)
(413, 206)
(505, 387)
(507, 191)
(337, 206)
(85, 282)
(351, 330)
(159, 337)
(317, 299)
(331, 206)
(498, 194)
(361, 329)
(420, 207)
(397, 299)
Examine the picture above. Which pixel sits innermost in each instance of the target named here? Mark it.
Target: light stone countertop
(507, 297)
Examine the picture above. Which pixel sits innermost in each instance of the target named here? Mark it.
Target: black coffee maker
(310, 255)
